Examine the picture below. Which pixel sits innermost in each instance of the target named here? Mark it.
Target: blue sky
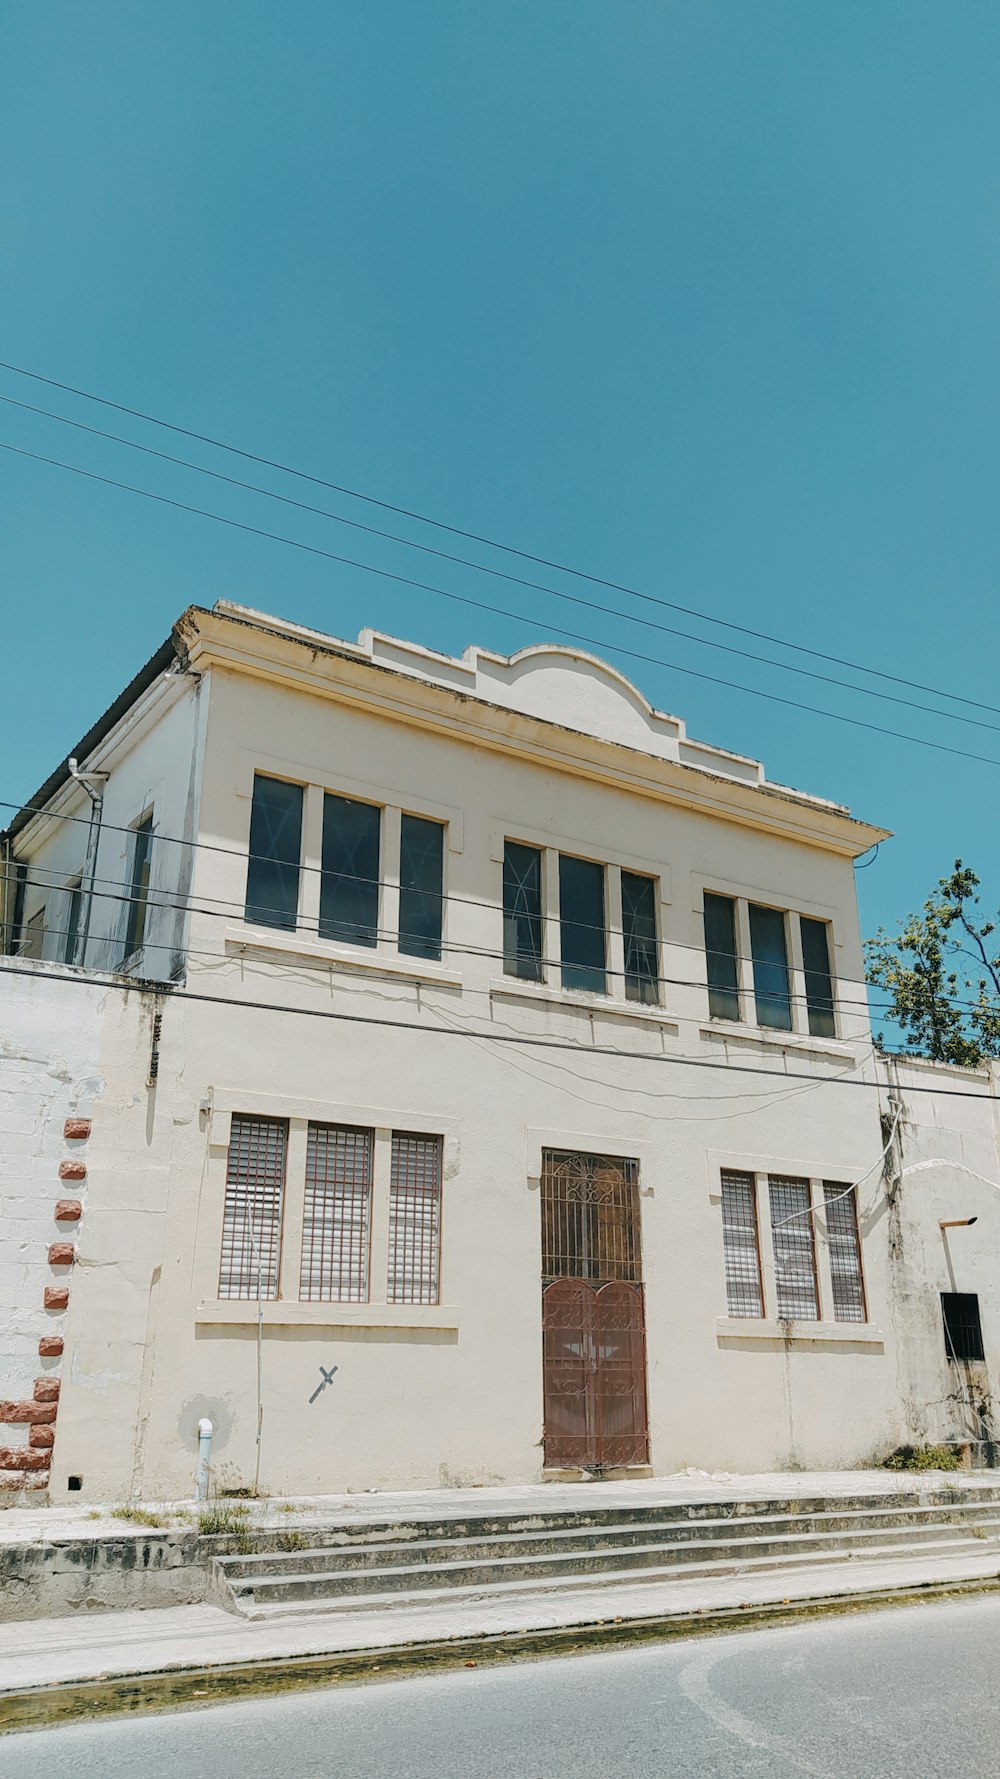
(702, 298)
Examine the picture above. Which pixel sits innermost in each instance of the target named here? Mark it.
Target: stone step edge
(498, 1590)
(944, 1497)
(577, 1541)
(126, 1690)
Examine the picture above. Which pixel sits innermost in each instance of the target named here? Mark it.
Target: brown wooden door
(593, 1313)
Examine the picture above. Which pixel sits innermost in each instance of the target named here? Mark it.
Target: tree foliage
(942, 974)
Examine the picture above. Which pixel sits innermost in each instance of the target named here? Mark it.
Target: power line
(155, 900)
(489, 1036)
(499, 574)
(232, 909)
(596, 642)
(493, 543)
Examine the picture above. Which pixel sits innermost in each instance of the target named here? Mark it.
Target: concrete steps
(349, 1569)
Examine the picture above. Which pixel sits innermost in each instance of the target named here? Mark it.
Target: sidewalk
(57, 1668)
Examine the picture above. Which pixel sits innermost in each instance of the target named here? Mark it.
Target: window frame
(289, 1304)
(254, 911)
(952, 1354)
(828, 1323)
(137, 906)
(846, 1030)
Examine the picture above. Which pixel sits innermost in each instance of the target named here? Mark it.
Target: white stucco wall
(348, 1035)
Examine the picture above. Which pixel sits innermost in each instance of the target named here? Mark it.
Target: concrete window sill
(360, 961)
(509, 988)
(242, 1313)
(760, 1035)
(769, 1328)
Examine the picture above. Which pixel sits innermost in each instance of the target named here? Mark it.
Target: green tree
(942, 974)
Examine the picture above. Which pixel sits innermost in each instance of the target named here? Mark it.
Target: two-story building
(441, 1070)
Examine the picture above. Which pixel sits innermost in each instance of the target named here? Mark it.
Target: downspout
(88, 781)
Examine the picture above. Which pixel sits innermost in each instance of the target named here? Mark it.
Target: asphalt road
(911, 1693)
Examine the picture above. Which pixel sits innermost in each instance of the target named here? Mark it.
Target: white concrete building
(446, 1070)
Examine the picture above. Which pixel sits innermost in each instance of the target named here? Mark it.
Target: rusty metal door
(593, 1314)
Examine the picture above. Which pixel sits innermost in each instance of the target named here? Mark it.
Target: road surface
(910, 1693)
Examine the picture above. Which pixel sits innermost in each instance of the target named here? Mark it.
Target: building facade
(440, 1070)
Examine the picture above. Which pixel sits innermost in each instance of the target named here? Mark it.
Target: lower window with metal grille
(963, 1329)
(251, 1218)
(741, 1247)
(794, 1247)
(415, 1219)
(844, 1242)
(336, 1214)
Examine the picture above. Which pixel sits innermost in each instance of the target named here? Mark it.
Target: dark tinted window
(421, 868)
(275, 851)
(639, 934)
(73, 907)
(348, 893)
(720, 956)
(963, 1331)
(819, 985)
(522, 911)
(581, 923)
(135, 924)
(770, 967)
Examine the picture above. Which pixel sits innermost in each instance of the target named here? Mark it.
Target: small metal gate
(593, 1312)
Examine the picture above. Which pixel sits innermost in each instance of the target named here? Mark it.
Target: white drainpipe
(205, 1431)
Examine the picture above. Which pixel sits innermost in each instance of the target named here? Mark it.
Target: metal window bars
(794, 1249)
(414, 1219)
(590, 1217)
(741, 1245)
(336, 1220)
(844, 1243)
(251, 1218)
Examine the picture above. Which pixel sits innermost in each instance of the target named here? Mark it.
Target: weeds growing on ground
(139, 1516)
(922, 1457)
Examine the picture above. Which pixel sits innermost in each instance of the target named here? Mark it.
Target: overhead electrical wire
(234, 909)
(606, 645)
(156, 900)
(494, 1037)
(499, 574)
(491, 543)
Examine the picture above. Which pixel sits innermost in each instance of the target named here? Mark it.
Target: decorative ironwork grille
(794, 1249)
(251, 1218)
(844, 1242)
(594, 1367)
(590, 1217)
(337, 1215)
(744, 1288)
(415, 1219)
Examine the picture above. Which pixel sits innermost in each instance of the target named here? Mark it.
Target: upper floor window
(767, 972)
(138, 901)
(582, 928)
(819, 981)
(74, 908)
(639, 935)
(275, 853)
(349, 880)
(33, 942)
(770, 967)
(421, 886)
(522, 911)
(721, 957)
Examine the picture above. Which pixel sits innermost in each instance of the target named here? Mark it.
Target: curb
(179, 1687)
